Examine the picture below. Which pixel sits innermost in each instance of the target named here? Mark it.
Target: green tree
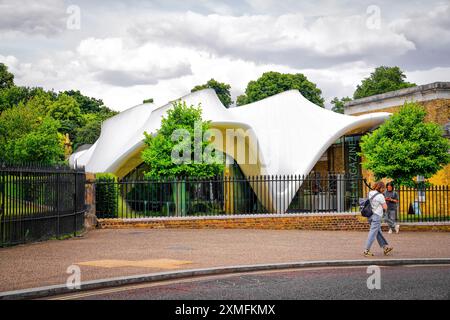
(86, 104)
(165, 143)
(28, 108)
(84, 127)
(6, 77)
(405, 146)
(28, 136)
(222, 90)
(44, 144)
(67, 110)
(339, 104)
(90, 131)
(12, 96)
(383, 79)
(271, 83)
(158, 153)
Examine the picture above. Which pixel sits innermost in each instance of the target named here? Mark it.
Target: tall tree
(160, 147)
(86, 128)
(6, 77)
(12, 96)
(339, 104)
(67, 110)
(383, 79)
(222, 90)
(271, 83)
(26, 134)
(90, 131)
(77, 115)
(405, 146)
(173, 150)
(87, 104)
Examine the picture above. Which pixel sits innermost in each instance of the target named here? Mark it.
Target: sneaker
(367, 253)
(397, 228)
(390, 231)
(387, 250)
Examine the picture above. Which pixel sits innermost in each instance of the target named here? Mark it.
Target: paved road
(114, 253)
(406, 282)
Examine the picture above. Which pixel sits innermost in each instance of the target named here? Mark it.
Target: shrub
(106, 195)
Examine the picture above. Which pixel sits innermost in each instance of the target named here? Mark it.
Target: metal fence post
(57, 204)
(2, 206)
(75, 203)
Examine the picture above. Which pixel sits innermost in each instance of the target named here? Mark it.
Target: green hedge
(106, 195)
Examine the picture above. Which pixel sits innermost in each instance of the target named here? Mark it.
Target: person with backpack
(391, 213)
(377, 206)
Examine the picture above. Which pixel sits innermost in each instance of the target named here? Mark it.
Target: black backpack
(366, 207)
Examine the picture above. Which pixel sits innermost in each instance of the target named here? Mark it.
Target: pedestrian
(391, 213)
(378, 204)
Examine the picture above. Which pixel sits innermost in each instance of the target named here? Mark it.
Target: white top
(377, 202)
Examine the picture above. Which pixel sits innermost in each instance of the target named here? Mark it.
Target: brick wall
(326, 222)
(90, 219)
(438, 110)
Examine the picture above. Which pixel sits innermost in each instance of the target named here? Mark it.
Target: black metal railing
(175, 197)
(40, 202)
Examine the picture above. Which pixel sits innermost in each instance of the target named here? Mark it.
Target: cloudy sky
(126, 51)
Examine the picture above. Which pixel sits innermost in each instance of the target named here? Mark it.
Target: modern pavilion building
(281, 135)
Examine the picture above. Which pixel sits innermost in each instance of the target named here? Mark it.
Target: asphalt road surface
(405, 282)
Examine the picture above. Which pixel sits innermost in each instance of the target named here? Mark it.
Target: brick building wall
(434, 97)
(438, 111)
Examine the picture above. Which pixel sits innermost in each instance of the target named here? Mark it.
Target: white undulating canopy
(287, 134)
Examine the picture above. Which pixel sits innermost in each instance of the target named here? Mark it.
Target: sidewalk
(111, 253)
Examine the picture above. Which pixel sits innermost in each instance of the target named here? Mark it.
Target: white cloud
(44, 17)
(428, 76)
(430, 31)
(115, 62)
(162, 52)
(285, 39)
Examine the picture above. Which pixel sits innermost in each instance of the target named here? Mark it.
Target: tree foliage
(64, 108)
(88, 104)
(43, 145)
(405, 146)
(107, 194)
(12, 96)
(27, 111)
(339, 104)
(222, 90)
(271, 83)
(158, 153)
(383, 79)
(6, 77)
(26, 136)
(90, 131)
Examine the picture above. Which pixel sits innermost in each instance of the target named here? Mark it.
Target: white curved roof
(289, 135)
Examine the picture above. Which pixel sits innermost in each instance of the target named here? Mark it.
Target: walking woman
(378, 204)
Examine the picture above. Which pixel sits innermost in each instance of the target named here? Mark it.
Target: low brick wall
(329, 222)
